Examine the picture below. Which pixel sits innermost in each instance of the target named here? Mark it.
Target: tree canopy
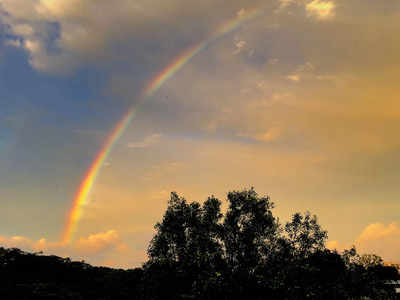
(200, 252)
(247, 252)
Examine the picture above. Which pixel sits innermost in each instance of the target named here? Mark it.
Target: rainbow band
(80, 200)
(86, 185)
(186, 56)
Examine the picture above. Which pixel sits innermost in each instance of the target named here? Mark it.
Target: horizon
(106, 109)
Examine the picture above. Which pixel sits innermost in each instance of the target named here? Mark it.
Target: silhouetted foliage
(198, 252)
(247, 254)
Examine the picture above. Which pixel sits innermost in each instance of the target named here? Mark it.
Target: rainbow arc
(76, 211)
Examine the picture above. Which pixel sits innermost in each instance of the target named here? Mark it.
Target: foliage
(33, 276)
(198, 252)
(247, 253)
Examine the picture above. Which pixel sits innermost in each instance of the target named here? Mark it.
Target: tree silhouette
(246, 253)
(199, 252)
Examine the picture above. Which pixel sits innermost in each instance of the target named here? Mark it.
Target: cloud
(378, 230)
(376, 238)
(67, 34)
(240, 45)
(294, 77)
(284, 3)
(105, 248)
(381, 239)
(333, 245)
(333, 140)
(60, 35)
(318, 9)
(147, 142)
(166, 169)
(303, 71)
(269, 135)
(322, 10)
(99, 242)
(13, 43)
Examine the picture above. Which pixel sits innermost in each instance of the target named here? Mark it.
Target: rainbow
(186, 56)
(80, 200)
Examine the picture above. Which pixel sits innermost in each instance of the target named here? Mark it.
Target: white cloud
(147, 142)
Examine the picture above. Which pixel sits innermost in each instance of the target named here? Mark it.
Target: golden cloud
(381, 239)
(320, 9)
(105, 248)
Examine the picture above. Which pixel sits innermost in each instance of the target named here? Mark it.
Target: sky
(299, 101)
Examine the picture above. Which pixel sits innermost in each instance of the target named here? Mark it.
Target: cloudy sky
(300, 102)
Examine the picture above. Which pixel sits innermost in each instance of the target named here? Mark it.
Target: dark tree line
(199, 252)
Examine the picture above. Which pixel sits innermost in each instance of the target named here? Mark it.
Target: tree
(188, 239)
(249, 230)
(188, 234)
(198, 252)
(305, 235)
(246, 253)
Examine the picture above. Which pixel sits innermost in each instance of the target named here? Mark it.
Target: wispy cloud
(90, 132)
(13, 43)
(148, 141)
(294, 77)
(269, 135)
